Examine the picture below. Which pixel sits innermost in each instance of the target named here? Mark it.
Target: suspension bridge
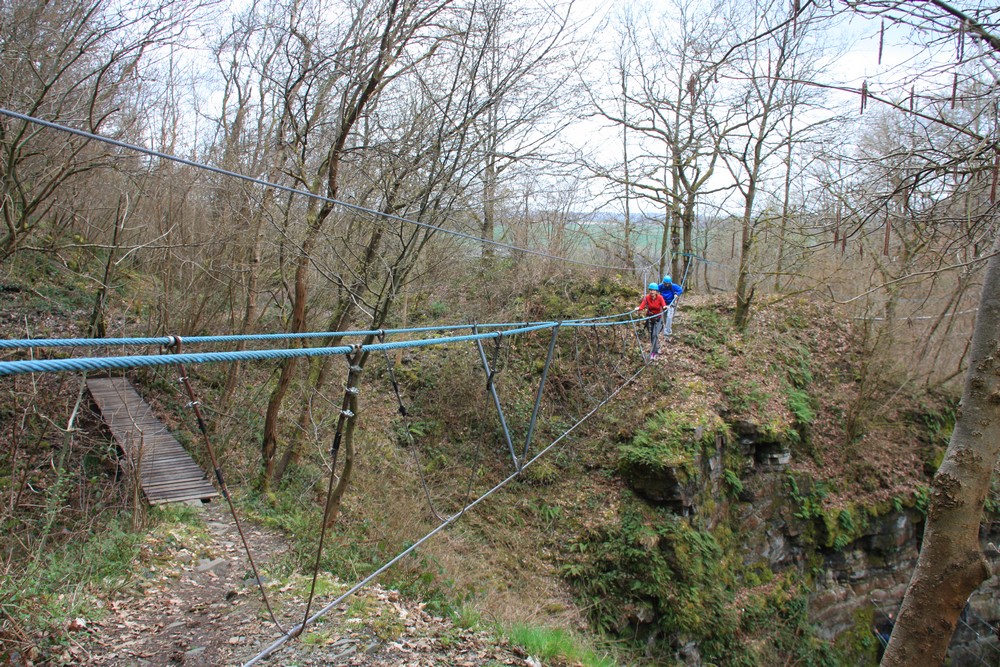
(172, 354)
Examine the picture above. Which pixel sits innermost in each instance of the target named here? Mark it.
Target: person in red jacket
(654, 305)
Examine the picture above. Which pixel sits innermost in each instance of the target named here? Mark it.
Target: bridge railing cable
(145, 360)
(164, 341)
(11, 368)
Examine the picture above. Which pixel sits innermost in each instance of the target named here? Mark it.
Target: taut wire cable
(305, 193)
(281, 641)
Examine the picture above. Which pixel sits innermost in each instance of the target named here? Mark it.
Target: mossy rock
(662, 462)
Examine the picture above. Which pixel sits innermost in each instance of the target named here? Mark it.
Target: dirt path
(196, 604)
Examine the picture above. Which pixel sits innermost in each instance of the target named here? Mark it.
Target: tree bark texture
(951, 563)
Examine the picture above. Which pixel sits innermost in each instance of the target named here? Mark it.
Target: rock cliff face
(858, 563)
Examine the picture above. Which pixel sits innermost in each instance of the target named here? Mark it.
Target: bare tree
(73, 63)
(767, 72)
(330, 90)
(513, 58)
(945, 188)
(665, 68)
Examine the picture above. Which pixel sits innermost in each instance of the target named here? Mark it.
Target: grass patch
(555, 644)
(68, 582)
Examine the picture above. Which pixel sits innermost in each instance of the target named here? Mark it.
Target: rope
(139, 361)
(305, 193)
(294, 632)
(350, 389)
(538, 396)
(164, 341)
(961, 620)
(413, 447)
(638, 338)
(491, 372)
(217, 469)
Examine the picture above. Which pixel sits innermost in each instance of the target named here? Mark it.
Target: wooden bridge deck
(168, 474)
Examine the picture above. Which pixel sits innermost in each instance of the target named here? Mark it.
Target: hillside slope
(738, 479)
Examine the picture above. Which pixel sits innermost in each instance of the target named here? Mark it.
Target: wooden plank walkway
(168, 474)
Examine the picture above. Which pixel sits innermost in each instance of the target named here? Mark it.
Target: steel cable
(278, 643)
(305, 193)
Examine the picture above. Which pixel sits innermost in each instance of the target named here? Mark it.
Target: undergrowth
(658, 581)
(645, 575)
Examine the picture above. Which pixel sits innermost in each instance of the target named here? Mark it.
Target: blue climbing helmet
(653, 286)
(666, 279)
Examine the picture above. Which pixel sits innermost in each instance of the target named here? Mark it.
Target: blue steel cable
(233, 338)
(34, 343)
(305, 193)
(138, 361)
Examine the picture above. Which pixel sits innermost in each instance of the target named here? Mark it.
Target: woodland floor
(196, 604)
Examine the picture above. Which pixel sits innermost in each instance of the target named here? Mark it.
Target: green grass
(555, 644)
(67, 582)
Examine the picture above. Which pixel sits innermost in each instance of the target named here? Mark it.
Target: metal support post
(496, 398)
(538, 396)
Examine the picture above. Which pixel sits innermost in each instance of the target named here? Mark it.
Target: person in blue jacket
(669, 291)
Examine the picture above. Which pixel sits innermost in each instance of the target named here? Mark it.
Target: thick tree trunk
(951, 563)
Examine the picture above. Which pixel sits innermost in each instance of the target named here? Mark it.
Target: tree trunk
(357, 364)
(488, 229)
(785, 205)
(664, 240)
(744, 290)
(951, 563)
(688, 231)
(269, 442)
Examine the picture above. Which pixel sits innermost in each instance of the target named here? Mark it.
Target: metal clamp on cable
(191, 404)
(347, 413)
(351, 390)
